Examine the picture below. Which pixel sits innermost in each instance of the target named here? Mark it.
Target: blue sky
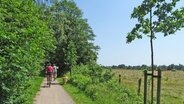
(110, 21)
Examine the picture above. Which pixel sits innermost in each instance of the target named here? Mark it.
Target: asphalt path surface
(55, 94)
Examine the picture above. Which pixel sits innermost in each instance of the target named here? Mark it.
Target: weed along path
(52, 95)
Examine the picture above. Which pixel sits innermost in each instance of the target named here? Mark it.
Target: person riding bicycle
(49, 71)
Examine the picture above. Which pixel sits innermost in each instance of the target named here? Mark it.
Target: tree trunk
(152, 58)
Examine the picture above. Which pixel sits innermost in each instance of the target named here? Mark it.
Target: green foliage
(29, 34)
(156, 16)
(77, 95)
(25, 41)
(172, 84)
(73, 34)
(33, 86)
(70, 55)
(99, 85)
(165, 18)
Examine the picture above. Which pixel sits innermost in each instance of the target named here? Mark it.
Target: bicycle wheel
(49, 81)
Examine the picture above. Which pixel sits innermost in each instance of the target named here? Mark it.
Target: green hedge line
(99, 85)
(25, 40)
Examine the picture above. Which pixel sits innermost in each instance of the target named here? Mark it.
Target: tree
(70, 29)
(162, 67)
(144, 67)
(171, 67)
(122, 66)
(156, 16)
(71, 56)
(25, 42)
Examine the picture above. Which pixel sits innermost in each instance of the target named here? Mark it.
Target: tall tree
(25, 41)
(71, 56)
(156, 16)
(69, 28)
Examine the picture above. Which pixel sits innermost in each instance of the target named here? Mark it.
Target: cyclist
(49, 71)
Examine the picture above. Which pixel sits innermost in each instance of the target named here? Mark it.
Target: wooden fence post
(145, 86)
(119, 78)
(158, 86)
(139, 86)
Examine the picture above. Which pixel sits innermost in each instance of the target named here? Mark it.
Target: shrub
(25, 41)
(99, 85)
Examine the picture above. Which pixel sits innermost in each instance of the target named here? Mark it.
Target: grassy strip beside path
(78, 96)
(31, 91)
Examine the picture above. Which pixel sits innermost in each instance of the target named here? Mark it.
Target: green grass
(32, 90)
(104, 94)
(172, 91)
(77, 95)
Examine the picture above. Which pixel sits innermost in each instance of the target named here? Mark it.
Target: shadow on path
(44, 85)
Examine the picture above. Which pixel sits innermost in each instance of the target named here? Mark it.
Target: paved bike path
(52, 95)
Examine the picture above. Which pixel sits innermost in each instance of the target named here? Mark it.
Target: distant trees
(121, 66)
(142, 67)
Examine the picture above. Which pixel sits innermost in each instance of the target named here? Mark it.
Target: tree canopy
(156, 16)
(31, 35)
(73, 34)
(166, 18)
(25, 42)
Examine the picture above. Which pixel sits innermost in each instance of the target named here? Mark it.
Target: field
(172, 87)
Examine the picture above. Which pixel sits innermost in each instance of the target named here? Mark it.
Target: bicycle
(49, 78)
(49, 71)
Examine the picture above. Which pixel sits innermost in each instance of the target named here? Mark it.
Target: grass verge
(77, 95)
(172, 91)
(32, 89)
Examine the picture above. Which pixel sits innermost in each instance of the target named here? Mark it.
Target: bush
(25, 41)
(99, 85)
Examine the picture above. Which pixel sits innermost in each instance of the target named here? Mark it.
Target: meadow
(172, 84)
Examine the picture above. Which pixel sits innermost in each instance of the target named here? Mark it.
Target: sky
(110, 21)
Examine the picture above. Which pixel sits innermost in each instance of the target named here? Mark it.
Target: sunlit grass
(77, 95)
(31, 91)
(172, 87)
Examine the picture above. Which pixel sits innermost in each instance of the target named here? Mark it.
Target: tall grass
(77, 95)
(32, 89)
(98, 84)
(172, 91)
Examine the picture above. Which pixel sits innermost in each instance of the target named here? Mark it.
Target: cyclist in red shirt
(49, 71)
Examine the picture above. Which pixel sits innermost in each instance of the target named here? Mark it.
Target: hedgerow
(100, 85)
(25, 40)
